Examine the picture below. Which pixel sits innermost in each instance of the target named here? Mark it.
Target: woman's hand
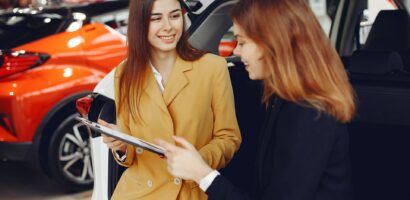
(112, 143)
(184, 162)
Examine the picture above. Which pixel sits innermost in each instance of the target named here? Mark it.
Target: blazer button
(177, 181)
(149, 183)
(139, 150)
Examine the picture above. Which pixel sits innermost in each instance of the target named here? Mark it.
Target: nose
(237, 51)
(167, 25)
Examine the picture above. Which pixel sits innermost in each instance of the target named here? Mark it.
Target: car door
(380, 133)
(373, 43)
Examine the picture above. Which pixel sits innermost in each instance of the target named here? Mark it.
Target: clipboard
(123, 137)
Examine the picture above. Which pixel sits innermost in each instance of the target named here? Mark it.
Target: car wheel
(69, 154)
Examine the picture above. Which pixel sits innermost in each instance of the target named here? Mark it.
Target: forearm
(226, 137)
(220, 150)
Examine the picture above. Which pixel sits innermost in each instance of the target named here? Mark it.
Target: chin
(252, 77)
(255, 77)
(167, 48)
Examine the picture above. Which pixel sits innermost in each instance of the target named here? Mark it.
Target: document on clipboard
(123, 137)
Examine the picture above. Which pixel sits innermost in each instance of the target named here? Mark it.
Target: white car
(379, 70)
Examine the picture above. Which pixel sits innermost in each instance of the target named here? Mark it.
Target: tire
(69, 154)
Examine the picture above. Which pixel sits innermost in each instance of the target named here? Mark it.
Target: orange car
(50, 57)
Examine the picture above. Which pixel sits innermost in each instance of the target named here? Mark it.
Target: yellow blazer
(197, 104)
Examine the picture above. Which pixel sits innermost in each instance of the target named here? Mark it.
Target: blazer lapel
(268, 132)
(152, 89)
(177, 80)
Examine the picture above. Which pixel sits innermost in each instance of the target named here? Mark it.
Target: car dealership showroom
(58, 61)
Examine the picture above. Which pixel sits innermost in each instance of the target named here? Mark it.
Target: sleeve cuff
(121, 158)
(205, 182)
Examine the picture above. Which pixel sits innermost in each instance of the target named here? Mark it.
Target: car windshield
(17, 29)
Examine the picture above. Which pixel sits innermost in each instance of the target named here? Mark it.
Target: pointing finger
(168, 146)
(184, 143)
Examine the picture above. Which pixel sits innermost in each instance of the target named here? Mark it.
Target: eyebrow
(176, 10)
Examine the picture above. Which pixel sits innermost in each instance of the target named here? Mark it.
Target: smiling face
(166, 26)
(251, 54)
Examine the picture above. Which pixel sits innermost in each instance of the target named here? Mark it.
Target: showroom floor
(19, 182)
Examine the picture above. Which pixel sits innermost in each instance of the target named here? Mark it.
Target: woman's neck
(163, 63)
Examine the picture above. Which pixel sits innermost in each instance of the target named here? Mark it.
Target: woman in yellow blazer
(167, 88)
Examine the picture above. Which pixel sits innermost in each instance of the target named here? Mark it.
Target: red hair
(303, 64)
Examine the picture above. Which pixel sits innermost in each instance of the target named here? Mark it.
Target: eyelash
(176, 16)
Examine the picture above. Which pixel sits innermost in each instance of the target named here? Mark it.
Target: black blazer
(302, 155)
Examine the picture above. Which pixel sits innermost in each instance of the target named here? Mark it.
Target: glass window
(17, 29)
(227, 44)
(325, 11)
(370, 14)
(117, 20)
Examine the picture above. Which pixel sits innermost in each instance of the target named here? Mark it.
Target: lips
(167, 38)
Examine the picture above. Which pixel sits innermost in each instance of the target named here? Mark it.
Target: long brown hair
(135, 67)
(303, 65)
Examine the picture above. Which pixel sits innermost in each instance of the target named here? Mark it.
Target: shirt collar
(154, 70)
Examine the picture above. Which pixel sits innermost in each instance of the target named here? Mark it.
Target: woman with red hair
(303, 148)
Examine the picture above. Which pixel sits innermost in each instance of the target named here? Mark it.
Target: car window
(17, 29)
(227, 44)
(325, 11)
(117, 20)
(369, 16)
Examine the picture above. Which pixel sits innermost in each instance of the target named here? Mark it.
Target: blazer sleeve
(226, 135)
(304, 144)
(123, 123)
(222, 189)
